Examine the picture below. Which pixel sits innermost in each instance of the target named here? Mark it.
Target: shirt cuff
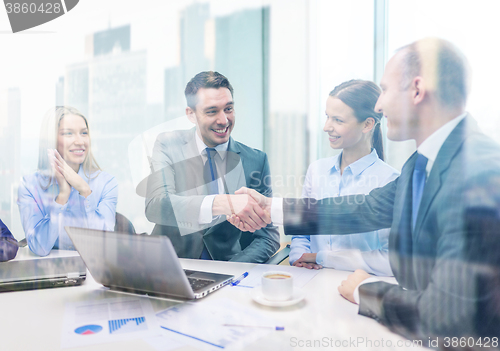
(58, 207)
(355, 294)
(277, 211)
(206, 216)
(89, 202)
(321, 257)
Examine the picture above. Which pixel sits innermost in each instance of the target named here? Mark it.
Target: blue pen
(253, 326)
(239, 279)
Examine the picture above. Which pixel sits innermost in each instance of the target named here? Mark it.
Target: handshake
(247, 209)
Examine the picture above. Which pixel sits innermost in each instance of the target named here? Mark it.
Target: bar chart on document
(120, 326)
(108, 320)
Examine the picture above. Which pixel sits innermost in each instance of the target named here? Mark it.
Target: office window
(315, 45)
(473, 29)
(282, 57)
(126, 71)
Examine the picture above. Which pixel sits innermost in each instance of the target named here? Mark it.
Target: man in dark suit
(8, 245)
(431, 208)
(194, 169)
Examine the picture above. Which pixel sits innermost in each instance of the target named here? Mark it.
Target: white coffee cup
(277, 286)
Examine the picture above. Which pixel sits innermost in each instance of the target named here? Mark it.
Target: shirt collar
(336, 163)
(430, 147)
(360, 165)
(221, 148)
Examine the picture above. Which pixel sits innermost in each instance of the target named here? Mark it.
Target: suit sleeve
(458, 297)
(165, 205)
(266, 241)
(8, 246)
(341, 215)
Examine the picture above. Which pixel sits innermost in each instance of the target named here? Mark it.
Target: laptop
(28, 271)
(141, 264)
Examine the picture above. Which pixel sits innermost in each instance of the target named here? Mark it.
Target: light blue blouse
(367, 251)
(44, 219)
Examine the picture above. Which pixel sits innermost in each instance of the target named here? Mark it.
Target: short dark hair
(206, 79)
(449, 64)
(361, 96)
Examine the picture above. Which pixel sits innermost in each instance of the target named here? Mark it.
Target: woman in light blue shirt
(353, 126)
(69, 188)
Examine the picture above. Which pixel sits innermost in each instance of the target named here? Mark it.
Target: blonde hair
(48, 140)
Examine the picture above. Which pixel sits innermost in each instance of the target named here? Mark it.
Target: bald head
(443, 67)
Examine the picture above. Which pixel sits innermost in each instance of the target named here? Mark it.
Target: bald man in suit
(443, 209)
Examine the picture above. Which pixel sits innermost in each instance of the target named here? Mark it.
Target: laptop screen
(141, 263)
(28, 266)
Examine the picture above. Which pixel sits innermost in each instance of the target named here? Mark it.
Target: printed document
(108, 320)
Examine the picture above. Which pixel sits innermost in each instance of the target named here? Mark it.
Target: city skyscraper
(76, 87)
(192, 35)
(192, 24)
(109, 40)
(60, 91)
(241, 44)
(110, 89)
(173, 93)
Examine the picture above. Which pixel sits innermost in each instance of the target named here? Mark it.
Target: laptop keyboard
(197, 284)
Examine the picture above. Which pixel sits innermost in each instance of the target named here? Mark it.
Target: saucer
(257, 296)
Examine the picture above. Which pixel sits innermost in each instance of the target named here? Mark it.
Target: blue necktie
(418, 184)
(210, 178)
(210, 172)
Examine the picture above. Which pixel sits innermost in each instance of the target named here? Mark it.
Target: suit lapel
(235, 175)
(403, 197)
(447, 152)
(401, 262)
(189, 148)
(194, 163)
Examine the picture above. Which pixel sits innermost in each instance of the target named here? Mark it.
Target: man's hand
(264, 202)
(245, 207)
(245, 223)
(307, 260)
(347, 287)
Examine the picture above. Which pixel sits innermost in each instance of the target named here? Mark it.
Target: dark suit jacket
(439, 291)
(8, 246)
(176, 190)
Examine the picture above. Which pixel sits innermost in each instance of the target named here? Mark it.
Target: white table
(32, 320)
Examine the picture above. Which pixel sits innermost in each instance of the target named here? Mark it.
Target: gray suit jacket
(440, 278)
(176, 190)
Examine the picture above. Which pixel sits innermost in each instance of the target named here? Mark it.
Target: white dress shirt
(429, 148)
(367, 251)
(220, 162)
